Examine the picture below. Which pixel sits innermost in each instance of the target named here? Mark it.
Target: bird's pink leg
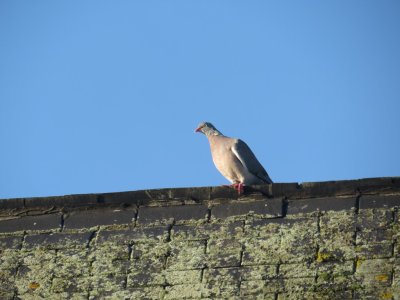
(239, 187)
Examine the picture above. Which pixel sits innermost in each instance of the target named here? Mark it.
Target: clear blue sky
(103, 96)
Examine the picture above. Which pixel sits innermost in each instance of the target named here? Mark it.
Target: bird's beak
(198, 129)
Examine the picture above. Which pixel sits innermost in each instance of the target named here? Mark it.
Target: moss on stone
(252, 288)
(261, 251)
(186, 255)
(243, 257)
(36, 270)
(298, 240)
(338, 235)
(297, 270)
(183, 277)
(183, 291)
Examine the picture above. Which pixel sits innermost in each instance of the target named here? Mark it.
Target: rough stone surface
(378, 201)
(320, 204)
(40, 222)
(93, 217)
(323, 240)
(267, 208)
(166, 214)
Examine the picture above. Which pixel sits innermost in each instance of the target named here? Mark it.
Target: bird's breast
(225, 160)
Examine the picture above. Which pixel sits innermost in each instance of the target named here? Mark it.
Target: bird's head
(208, 129)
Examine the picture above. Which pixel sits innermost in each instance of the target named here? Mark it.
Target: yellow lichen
(321, 257)
(382, 277)
(33, 285)
(387, 295)
(359, 262)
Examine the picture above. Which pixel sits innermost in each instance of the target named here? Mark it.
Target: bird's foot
(239, 187)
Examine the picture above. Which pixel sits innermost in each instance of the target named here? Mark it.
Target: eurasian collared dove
(234, 159)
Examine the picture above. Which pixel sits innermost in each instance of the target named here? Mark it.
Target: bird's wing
(249, 160)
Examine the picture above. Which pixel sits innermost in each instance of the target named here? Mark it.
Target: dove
(234, 159)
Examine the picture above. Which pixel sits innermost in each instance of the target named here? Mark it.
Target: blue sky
(103, 96)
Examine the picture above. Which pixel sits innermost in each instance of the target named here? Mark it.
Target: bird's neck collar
(214, 132)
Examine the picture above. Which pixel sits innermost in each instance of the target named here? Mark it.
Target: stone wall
(326, 240)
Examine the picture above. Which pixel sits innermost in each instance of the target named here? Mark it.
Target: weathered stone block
(238, 274)
(263, 227)
(195, 194)
(379, 201)
(186, 255)
(183, 291)
(35, 273)
(7, 294)
(327, 189)
(44, 222)
(206, 231)
(258, 272)
(268, 208)
(10, 204)
(221, 283)
(374, 272)
(179, 214)
(68, 294)
(215, 276)
(374, 219)
(256, 289)
(337, 242)
(374, 236)
(303, 206)
(110, 258)
(142, 293)
(223, 192)
(183, 277)
(7, 284)
(150, 249)
(10, 242)
(132, 198)
(396, 277)
(146, 272)
(61, 201)
(223, 253)
(112, 266)
(124, 236)
(262, 240)
(304, 284)
(107, 286)
(9, 261)
(133, 235)
(297, 270)
(378, 185)
(371, 250)
(261, 251)
(147, 264)
(284, 189)
(274, 285)
(298, 240)
(221, 290)
(57, 240)
(328, 272)
(92, 218)
(327, 292)
(72, 263)
(159, 194)
(273, 241)
(106, 255)
(376, 293)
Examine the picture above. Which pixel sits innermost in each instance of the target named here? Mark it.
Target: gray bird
(234, 159)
